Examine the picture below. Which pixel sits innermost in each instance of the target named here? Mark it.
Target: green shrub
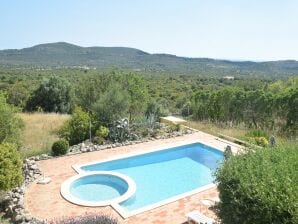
(102, 132)
(101, 135)
(10, 167)
(174, 127)
(76, 129)
(60, 147)
(54, 95)
(260, 141)
(10, 124)
(257, 133)
(259, 187)
(88, 219)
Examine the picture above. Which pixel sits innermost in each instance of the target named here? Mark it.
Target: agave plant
(121, 131)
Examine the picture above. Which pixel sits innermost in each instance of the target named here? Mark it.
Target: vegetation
(53, 95)
(230, 106)
(88, 219)
(255, 108)
(60, 147)
(112, 105)
(259, 186)
(11, 167)
(238, 132)
(106, 58)
(10, 124)
(76, 129)
(3, 220)
(116, 105)
(101, 135)
(40, 132)
(18, 94)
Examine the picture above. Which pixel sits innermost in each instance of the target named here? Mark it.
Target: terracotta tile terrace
(45, 202)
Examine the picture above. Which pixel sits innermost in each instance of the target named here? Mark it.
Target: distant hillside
(68, 55)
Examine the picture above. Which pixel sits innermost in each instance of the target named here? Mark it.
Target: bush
(60, 147)
(89, 219)
(76, 129)
(101, 135)
(54, 95)
(174, 128)
(102, 132)
(260, 141)
(10, 124)
(259, 187)
(10, 167)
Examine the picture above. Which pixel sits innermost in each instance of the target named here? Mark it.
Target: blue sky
(227, 29)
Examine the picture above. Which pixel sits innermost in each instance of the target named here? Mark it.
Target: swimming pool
(162, 176)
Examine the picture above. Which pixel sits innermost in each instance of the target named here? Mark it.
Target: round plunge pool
(99, 188)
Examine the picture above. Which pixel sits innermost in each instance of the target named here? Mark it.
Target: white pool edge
(67, 195)
(77, 167)
(125, 214)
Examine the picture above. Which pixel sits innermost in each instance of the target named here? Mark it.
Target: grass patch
(239, 132)
(40, 132)
(215, 129)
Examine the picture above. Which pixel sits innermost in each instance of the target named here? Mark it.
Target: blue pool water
(98, 188)
(164, 174)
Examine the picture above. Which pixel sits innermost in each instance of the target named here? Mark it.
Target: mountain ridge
(62, 54)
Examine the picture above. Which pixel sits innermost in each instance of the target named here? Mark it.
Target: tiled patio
(45, 201)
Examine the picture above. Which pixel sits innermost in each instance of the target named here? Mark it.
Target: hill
(57, 55)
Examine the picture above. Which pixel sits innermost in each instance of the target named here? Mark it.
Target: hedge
(10, 167)
(259, 186)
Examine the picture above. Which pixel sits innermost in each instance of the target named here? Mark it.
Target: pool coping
(67, 195)
(77, 167)
(126, 214)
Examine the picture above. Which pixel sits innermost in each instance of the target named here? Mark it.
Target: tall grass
(215, 129)
(239, 132)
(40, 132)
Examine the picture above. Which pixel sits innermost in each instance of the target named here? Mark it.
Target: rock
(18, 218)
(44, 156)
(33, 167)
(28, 218)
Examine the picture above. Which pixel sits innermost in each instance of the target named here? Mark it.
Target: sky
(224, 29)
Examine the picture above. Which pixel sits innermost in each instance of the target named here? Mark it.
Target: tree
(54, 95)
(10, 167)
(292, 113)
(18, 94)
(10, 124)
(112, 105)
(138, 94)
(153, 110)
(76, 129)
